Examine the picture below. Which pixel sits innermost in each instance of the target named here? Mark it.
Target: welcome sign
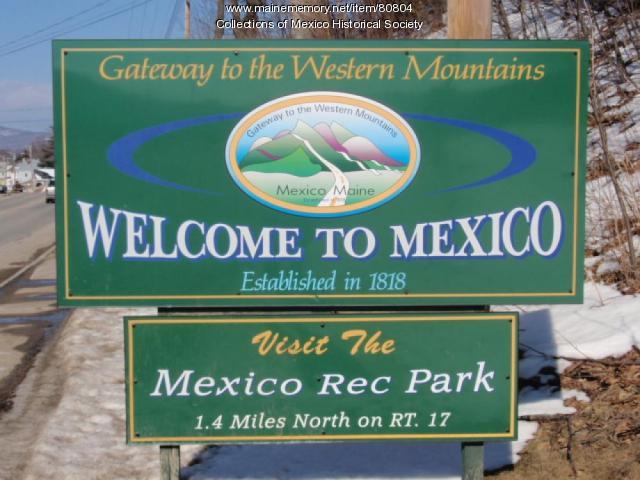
(320, 173)
(322, 378)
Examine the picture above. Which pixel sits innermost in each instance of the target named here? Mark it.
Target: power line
(144, 19)
(64, 29)
(74, 28)
(155, 16)
(130, 23)
(48, 27)
(174, 14)
(79, 26)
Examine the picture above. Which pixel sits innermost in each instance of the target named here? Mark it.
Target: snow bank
(608, 323)
(84, 437)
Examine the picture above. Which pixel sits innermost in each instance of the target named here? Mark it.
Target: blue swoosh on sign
(121, 153)
(523, 154)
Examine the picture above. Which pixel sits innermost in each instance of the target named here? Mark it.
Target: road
(47, 416)
(29, 317)
(29, 386)
(337, 195)
(26, 229)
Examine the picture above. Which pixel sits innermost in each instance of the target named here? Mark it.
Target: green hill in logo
(296, 163)
(305, 151)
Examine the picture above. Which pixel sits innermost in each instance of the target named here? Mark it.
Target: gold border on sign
(577, 175)
(133, 322)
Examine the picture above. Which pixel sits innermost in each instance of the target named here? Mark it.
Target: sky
(26, 31)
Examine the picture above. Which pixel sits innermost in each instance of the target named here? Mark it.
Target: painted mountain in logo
(306, 151)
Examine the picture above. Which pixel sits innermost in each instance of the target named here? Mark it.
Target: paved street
(28, 312)
(26, 229)
(29, 320)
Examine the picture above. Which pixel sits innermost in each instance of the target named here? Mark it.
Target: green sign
(321, 378)
(320, 173)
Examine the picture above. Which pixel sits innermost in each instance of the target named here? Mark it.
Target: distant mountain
(259, 142)
(358, 147)
(341, 133)
(17, 140)
(364, 149)
(298, 151)
(328, 135)
(282, 134)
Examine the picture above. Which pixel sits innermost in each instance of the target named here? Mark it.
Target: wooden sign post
(169, 454)
(169, 462)
(470, 19)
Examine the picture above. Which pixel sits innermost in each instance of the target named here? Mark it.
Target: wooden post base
(169, 462)
(472, 461)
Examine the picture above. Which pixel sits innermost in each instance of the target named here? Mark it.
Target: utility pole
(187, 18)
(470, 19)
(308, 33)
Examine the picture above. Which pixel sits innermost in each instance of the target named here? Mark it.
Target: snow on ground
(88, 421)
(373, 461)
(84, 437)
(608, 323)
(548, 401)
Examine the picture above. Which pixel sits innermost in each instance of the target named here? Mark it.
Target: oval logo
(322, 154)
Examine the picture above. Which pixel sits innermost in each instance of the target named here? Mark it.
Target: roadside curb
(32, 263)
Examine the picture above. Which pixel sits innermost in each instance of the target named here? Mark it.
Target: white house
(25, 169)
(44, 173)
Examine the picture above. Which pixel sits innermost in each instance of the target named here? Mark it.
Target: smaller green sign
(241, 379)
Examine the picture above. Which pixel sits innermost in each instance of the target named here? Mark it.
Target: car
(3, 189)
(50, 192)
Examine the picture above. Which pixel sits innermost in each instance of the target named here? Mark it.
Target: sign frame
(67, 296)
